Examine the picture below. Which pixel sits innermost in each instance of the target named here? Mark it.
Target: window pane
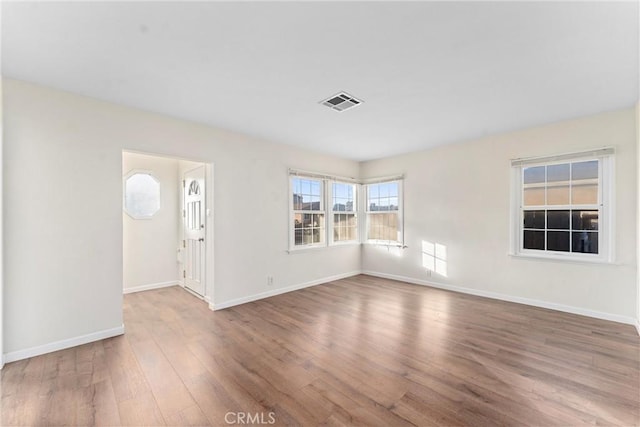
(584, 220)
(584, 194)
(307, 220)
(315, 188)
(584, 170)
(298, 236)
(351, 233)
(557, 173)
(534, 174)
(558, 195)
(297, 201)
(558, 241)
(142, 195)
(534, 196)
(345, 224)
(383, 226)
(533, 219)
(306, 186)
(384, 190)
(393, 189)
(393, 203)
(533, 240)
(558, 220)
(390, 234)
(343, 197)
(374, 191)
(297, 221)
(384, 204)
(585, 242)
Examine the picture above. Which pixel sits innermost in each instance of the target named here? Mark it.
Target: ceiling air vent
(341, 102)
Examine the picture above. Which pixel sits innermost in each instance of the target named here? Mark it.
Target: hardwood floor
(359, 351)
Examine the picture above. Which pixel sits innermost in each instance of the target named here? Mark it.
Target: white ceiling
(429, 73)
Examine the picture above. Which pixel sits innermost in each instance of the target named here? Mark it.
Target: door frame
(209, 205)
(1, 224)
(207, 220)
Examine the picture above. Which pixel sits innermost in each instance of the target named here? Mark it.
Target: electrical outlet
(269, 280)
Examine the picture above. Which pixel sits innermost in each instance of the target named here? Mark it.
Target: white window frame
(293, 212)
(400, 213)
(605, 207)
(360, 211)
(331, 213)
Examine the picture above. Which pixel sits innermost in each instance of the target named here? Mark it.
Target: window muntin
(141, 195)
(308, 212)
(562, 209)
(344, 212)
(383, 213)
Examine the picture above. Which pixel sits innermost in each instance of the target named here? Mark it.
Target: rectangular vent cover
(341, 102)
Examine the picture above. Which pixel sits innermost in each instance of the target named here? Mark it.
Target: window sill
(305, 249)
(388, 245)
(561, 259)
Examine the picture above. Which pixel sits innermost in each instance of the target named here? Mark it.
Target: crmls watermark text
(250, 418)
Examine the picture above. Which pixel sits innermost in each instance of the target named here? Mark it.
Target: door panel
(194, 222)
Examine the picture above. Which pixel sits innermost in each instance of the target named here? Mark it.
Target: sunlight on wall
(434, 257)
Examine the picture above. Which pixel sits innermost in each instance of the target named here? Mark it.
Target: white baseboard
(279, 291)
(61, 345)
(520, 300)
(150, 286)
(209, 301)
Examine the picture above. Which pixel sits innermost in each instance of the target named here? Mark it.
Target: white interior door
(194, 221)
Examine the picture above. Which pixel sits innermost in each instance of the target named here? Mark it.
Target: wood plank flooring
(359, 351)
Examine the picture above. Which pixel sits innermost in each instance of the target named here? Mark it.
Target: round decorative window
(141, 195)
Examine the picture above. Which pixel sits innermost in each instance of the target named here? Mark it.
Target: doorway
(167, 224)
(194, 225)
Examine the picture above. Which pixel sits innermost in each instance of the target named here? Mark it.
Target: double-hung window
(308, 212)
(344, 210)
(563, 206)
(325, 211)
(384, 213)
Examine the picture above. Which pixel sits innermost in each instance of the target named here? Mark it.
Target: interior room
(320, 213)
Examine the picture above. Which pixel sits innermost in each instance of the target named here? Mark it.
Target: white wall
(459, 196)
(638, 218)
(1, 213)
(63, 214)
(63, 196)
(150, 245)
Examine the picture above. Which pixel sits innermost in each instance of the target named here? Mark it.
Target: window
(564, 207)
(324, 211)
(308, 212)
(344, 213)
(384, 214)
(141, 195)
